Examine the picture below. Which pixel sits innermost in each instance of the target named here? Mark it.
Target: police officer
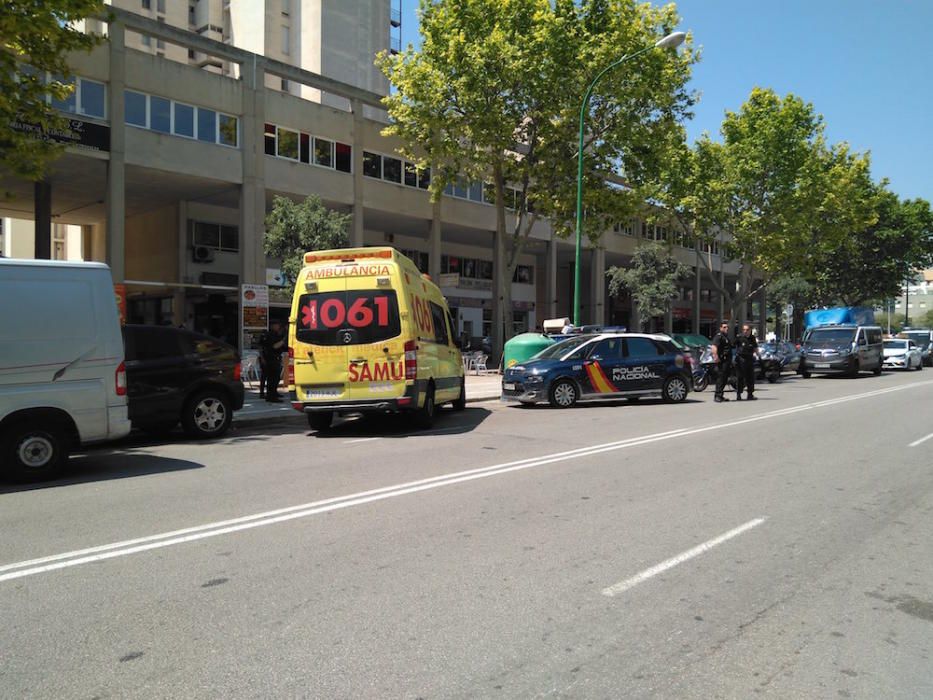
(722, 355)
(746, 350)
(272, 345)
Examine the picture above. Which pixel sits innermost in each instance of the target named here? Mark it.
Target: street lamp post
(670, 41)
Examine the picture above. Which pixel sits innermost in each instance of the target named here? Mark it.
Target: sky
(866, 65)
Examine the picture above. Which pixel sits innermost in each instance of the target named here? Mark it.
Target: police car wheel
(320, 421)
(460, 402)
(675, 390)
(563, 394)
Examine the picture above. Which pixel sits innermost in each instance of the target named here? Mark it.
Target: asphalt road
(779, 549)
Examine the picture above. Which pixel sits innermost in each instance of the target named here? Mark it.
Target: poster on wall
(254, 302)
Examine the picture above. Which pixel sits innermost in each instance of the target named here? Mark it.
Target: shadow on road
(446, 422)
(104, 466)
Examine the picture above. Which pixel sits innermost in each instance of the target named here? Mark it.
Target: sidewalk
(478, 388)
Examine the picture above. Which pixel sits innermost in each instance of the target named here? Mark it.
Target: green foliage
(294, 228)
(897, 321)
(35, 38)
(495, 92)
(872, 262)
(652, 280)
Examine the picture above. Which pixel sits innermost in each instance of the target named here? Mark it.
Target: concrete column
(356, 227)
(253, 188)
(550, 272)
(598, 286)
(43, 212)
(498, 279)
(763, 319)
(115, 199)
(696, 294)
(434, 242)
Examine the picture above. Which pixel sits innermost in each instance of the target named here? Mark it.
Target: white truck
(62, 378)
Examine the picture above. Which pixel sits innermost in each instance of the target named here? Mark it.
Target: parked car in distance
(923, 337)
(175, 375)
(901, 353)
(600, 366)
(62, 378)
(776, 358)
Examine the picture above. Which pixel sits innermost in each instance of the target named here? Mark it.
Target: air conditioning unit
(202, 254)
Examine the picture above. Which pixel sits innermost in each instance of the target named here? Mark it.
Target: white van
(62, 379)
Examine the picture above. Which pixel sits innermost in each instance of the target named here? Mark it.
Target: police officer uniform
(724, 348)
(746, 347)
(271, 344)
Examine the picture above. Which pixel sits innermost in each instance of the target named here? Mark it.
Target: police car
(600, 366)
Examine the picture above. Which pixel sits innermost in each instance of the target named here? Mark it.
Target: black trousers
(745, 376)
(725, 369)
(269, 377)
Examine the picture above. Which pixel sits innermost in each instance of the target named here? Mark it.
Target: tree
(772, 191)
(294, 228)
(35, 39)
(652, 280)
(872, 263)
(494, 93)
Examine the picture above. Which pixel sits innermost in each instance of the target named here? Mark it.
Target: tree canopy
(652, 279)
(294, 228)
(494, 95)
(35, 39)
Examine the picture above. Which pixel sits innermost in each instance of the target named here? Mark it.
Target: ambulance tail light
(290, 375)
(120, 380)
(411, 360)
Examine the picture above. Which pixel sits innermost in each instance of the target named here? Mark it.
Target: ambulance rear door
(322, 335)
(376, 347)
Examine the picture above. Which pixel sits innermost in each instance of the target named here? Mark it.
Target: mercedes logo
(347, 337)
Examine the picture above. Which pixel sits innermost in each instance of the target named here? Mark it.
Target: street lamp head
(671, 41)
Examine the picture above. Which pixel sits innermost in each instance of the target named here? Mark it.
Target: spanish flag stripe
(599, 380)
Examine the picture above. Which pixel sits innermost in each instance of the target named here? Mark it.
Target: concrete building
(172, 169)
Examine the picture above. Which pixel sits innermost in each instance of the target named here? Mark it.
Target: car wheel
(33, 452)
(675, 390)
(424, 416)
(877, 370)
(460, 402)
(773, 377)
(563, 394)
(854, 369)
(805, 374)
(207, 415)
(320, 421)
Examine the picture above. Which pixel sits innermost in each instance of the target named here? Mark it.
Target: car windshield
(832, 336)
(562, 347)
(922, 338)
(693, 339)
(895, 344)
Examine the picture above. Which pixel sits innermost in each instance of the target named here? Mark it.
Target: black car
(175, 375)
(777, 357)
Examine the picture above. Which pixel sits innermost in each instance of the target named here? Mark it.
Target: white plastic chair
(479, 363)
(249, 370)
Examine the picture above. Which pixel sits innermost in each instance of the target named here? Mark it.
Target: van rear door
(320, 354)
(376, 361)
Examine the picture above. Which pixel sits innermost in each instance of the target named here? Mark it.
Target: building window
(191, 16)
(476, 192)
(270, 139)
(135, 110)
(207, 125)
(424, 179)
(411, 175)
(391, 169)
(192, 54)
(324, 152)
(215, 236)
(160, 6)
(305, 148)
(160, 114)
(524, 274)
(228, 131)
(184, 120)
(147, 4)
(145, 39)
(372, 164)
(285, 40)
(287, 144)
(284, 85)
(343, 158)
(68, 104)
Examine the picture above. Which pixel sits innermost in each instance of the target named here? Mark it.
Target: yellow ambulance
(368, 333)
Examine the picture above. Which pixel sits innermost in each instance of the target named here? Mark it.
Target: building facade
(174, 168)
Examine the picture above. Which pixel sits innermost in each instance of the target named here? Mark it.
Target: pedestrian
(722, 355)
(271, 345)
(746, 350)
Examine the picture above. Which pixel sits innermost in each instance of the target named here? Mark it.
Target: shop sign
(119, 291)
(449, 279)
(254, 301)
(468, 283)
(75, 132)
(679, 312)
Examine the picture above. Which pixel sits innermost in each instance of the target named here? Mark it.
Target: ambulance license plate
(821, 365)
(328, 393)
(508, 386)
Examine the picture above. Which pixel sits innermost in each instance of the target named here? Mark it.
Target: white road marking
(921, 440)
(628, 583)
(117, 549)
(350, 442)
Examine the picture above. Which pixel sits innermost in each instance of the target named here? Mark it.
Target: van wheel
(460, 402)
(424, 416)
(877, 370)
(33, 453)
(320, 421)
(207, 415)
(807, 375)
